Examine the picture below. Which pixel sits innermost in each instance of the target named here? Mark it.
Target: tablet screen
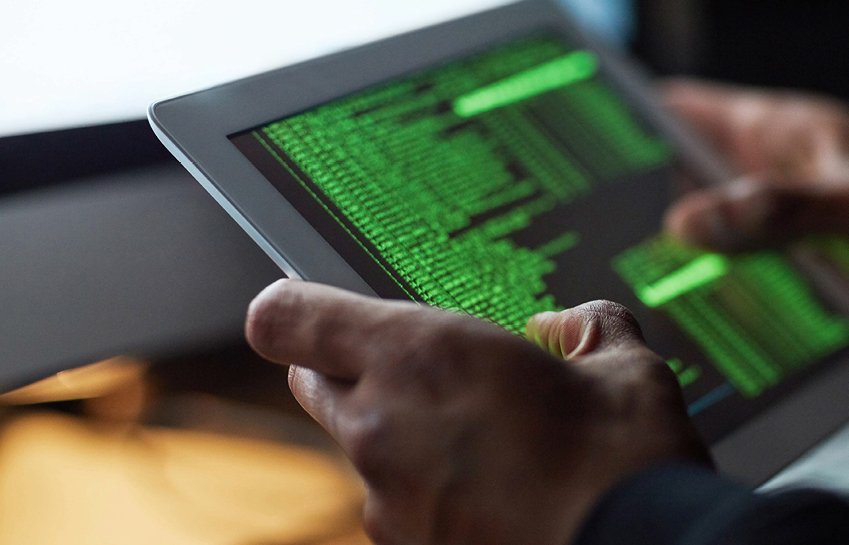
(519, 181)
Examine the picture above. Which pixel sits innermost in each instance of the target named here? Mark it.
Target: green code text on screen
(518, 181)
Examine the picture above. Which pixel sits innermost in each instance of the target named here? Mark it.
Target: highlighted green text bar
(697, 273)
(560, 72)
(560, 245)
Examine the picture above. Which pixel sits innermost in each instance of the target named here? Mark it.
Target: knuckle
(369, 444)
(437, 342)
(652, 376)
(657, 372)
(646, 385)
(434, 325)
(447, 354)
(437, 339)
(615, 319)
(603, 307)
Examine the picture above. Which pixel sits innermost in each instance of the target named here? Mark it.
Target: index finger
(332, 331)
(733, 119)
(710, 107)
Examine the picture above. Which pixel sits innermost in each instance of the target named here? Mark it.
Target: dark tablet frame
(196, 127)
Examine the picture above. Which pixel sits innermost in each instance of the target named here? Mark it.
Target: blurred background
(115, 263)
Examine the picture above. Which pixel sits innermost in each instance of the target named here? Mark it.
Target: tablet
(503, 165)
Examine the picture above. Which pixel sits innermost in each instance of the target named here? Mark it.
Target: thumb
(748, 214)
(584, 329)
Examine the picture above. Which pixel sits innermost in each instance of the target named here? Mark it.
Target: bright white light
(65, 64)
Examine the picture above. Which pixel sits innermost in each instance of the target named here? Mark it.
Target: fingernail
(724, 217)
(749, 206)
(558, 334)
(581, 348)
(537, 325)
(701, 221)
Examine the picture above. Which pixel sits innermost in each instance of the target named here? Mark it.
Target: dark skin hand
(464, 433)
(793, 152)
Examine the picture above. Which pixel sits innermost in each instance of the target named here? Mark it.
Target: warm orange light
(66, 481)
(85, 382)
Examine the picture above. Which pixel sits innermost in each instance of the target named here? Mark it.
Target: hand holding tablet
(505, 165)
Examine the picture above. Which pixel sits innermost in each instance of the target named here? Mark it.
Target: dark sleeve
(683, 505)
